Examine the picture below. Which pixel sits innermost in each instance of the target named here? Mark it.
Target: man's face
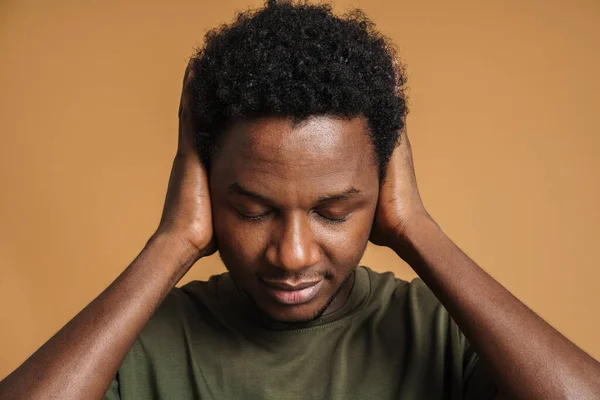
(293, 208)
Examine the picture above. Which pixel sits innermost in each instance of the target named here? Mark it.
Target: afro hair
(298, 60)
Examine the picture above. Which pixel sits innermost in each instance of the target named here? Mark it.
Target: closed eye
(330, 219)
(259, 217)
(254, 217)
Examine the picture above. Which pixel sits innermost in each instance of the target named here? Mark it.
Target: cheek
(239, 243)
(346, 245)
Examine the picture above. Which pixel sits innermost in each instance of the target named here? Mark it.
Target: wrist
(412, 221)
(183, 253)
(414, 229)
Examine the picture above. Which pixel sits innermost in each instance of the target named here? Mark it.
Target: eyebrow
(237, 188)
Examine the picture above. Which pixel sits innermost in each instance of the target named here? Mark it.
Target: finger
(404, 149)
(186, 126)
(189, 70)
(187, 77)
(400, 166)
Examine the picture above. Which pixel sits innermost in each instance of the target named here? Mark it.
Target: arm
(83, 357)
(528, 359)
(80, 361)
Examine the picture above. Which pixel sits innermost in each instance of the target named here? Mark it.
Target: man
(298, 122)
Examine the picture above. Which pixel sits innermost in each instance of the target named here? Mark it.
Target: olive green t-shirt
(391, 340)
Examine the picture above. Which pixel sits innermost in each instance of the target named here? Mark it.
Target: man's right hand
(187, 212)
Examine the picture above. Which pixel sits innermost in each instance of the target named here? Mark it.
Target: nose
(293, 246)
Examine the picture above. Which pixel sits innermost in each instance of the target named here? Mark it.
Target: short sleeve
(477, 383)
(448, 361)
(113, 391)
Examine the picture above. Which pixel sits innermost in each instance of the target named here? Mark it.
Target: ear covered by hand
(399, 206)
(187, 211)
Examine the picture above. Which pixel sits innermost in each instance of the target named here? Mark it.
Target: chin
(294, 314)
(281, 306)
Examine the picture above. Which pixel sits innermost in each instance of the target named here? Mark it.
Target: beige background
(505, 100)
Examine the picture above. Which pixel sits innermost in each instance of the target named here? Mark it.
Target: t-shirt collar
(234, 303)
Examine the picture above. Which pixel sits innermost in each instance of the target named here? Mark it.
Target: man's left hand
(399, 205)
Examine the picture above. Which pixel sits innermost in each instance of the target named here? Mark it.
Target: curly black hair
(298, 60)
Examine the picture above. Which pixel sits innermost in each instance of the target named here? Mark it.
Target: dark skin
(527, 358)
(294, 204)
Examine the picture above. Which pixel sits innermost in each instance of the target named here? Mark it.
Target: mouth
(292, 293)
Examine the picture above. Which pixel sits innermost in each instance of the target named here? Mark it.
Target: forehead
(317, 154)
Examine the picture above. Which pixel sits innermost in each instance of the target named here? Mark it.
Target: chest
(335, 364)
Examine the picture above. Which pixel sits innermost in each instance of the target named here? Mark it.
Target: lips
(292, 293)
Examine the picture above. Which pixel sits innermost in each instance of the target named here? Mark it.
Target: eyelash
(332, 220)
(262, 216)
(254, 218)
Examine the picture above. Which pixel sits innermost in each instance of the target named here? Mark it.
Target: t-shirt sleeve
(113, 391)
(477, 383)
(450, 360)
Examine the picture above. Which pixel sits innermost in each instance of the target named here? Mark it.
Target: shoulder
(163, 356)
(409, 308)
(415, 323)
(387, 289)
(181, 309)
(179, 319)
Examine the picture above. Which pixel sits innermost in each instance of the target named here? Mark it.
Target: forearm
(527, 357)
(83, 357)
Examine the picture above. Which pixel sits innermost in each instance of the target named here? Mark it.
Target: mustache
(280, 275)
